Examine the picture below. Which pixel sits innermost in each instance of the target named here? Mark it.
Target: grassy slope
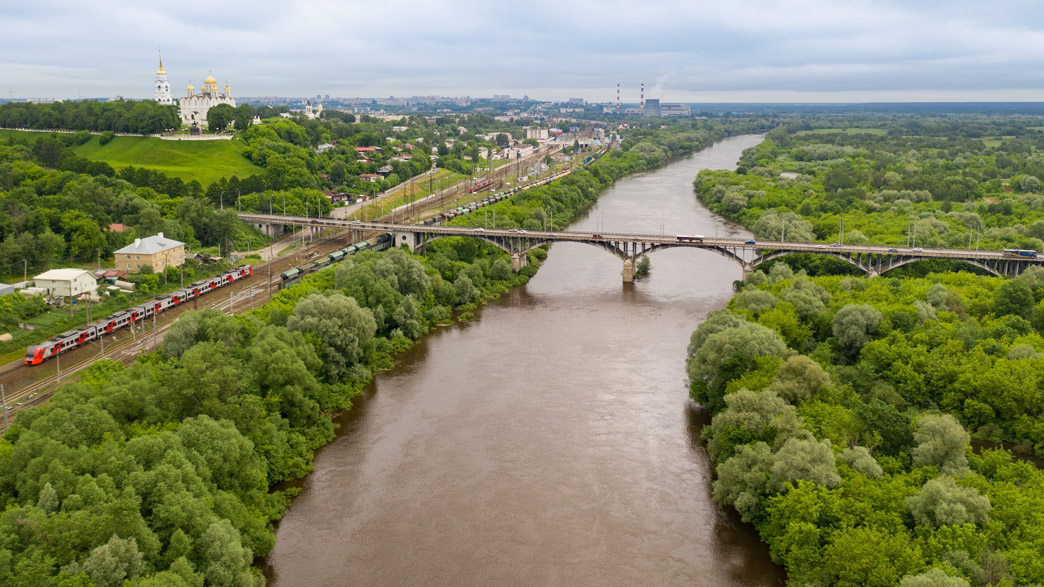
(203, 161)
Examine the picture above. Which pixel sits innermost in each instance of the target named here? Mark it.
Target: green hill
(203, 161)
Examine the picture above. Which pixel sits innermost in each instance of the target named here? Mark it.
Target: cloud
(548, 49)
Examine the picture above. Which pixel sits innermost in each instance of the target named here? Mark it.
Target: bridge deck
(740, 247)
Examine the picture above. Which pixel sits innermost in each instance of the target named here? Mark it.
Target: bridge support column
(628, 271)
(409, 239)
(518, 261)
(747, 270)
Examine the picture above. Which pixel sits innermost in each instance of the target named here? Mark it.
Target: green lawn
(203, 161)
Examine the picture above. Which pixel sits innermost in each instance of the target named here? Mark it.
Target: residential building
(156, 251)
(66, 283)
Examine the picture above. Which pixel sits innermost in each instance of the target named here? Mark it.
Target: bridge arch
(777, 254)
(908, 260)
(724, 252)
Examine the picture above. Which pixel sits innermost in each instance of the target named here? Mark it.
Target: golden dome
(191, 87)
(210, 80)
(161, 72)
(227, 89)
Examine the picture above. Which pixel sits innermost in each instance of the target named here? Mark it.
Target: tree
(861, 461)
(243, 117)
(84, 234)
(941, 502)
(744, 479)
(776, 225)
(934, 577)
(219, 116)
(345, 329)
(756, 301)
(1015, 298)
(870, 557)
(800, 379)
(466, 290)
(728, 354)
(1030, 184)
(749, 417)
(804, 459)
(853, 325)
(113, 562)
(224, 559)
(941, 442)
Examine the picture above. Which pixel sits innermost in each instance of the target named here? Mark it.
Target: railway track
(26, 386)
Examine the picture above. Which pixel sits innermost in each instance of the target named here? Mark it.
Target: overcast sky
(685, 51)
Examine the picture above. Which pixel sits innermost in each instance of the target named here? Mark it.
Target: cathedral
(194, 106)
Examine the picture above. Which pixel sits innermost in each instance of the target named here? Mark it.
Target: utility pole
(3, 398)
(155, 333)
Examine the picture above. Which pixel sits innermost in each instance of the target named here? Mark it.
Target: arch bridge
(629, 247)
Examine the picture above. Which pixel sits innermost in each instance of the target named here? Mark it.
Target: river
(549, 441)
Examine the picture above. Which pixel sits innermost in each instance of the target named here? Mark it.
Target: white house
(65, 283)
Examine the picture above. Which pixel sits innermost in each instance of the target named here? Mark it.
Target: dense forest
(953, 182)
(843, 408)
(165, 472)
(840, 414)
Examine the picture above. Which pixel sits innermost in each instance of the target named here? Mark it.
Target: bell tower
(163, 95)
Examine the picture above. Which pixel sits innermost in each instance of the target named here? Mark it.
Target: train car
(67, 341)
(1020, 253)
(480, 186)
(336, 256)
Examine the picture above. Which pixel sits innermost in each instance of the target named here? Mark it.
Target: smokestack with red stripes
(618, 96)
(643, 96)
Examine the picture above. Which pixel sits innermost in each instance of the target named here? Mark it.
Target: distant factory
(651, 108)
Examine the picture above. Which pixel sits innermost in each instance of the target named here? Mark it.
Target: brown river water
(551, 440)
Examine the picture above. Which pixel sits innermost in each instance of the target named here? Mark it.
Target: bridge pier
(747, 270)
(518, 261)
(401, 237)
(628, 271)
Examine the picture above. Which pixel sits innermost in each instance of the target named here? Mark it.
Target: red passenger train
(73, 339)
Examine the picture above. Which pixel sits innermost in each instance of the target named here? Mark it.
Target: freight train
(292, 276)
(74, 339)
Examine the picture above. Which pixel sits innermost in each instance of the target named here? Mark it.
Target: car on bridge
(751, 242)
(835, 245)
(917, 250)
(893, 250)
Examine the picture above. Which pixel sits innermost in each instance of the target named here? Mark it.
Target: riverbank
(224, 390)
(842, 406)
(549, 426)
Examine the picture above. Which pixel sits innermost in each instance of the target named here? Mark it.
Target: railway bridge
(629, 247)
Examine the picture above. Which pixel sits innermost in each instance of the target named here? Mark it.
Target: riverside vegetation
(167, 471)
(842, 405)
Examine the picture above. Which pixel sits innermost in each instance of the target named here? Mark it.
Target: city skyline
(753, 51)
